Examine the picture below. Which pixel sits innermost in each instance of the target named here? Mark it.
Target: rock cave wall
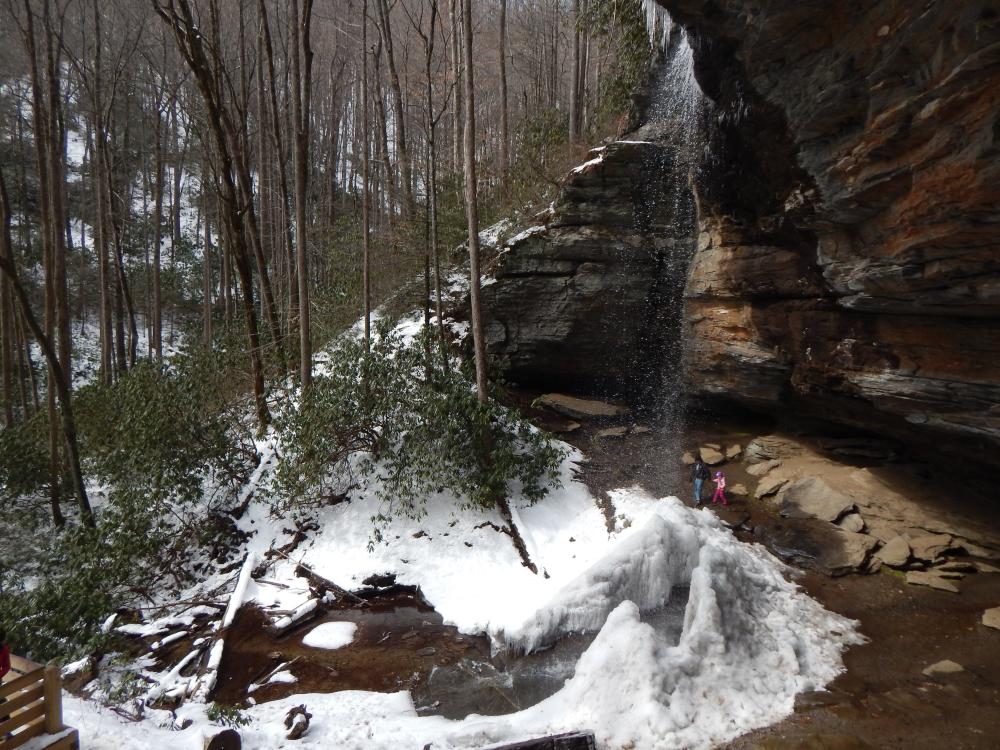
(848, 237)
(848, 260)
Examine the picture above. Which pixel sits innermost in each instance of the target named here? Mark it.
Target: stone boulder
(946, 666)
(688, 458)
(770, 485)
(812, 497)
(847, 554)
(852, 522)
(738, 490)
(711, 456)
(769, 447)
(896, 553)
(612, 433)
(580, 408)
(762, 468)
(733, 452)
(991, 618)
(227, 739)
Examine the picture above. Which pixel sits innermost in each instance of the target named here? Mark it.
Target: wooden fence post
(53, 699)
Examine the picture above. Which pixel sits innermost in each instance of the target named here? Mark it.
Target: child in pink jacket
(720, 486)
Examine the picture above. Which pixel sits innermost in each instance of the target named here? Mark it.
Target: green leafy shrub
(390, 422)
(169, 447)
(227, 716)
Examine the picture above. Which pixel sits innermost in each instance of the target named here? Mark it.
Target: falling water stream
(666, 212)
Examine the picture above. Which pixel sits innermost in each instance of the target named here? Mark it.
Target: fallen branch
(320, 582)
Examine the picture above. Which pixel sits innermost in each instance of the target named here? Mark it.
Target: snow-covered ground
(751, 639)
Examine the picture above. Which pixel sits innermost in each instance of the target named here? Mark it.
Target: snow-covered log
(239, 593)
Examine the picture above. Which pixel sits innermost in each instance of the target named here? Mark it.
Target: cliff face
(583, 300)
(848, 238)
(848, 260)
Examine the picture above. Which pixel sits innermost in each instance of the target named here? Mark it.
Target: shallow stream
(401, 643)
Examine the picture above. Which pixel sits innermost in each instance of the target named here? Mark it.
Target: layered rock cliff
(589, 299)
(848, 236)
(849, 243)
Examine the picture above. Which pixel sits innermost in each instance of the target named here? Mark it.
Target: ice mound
(642, 568)
(751, 642)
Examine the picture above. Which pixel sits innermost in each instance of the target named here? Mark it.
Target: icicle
(658, 20)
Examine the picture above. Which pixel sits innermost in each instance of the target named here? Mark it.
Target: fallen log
(322, 583)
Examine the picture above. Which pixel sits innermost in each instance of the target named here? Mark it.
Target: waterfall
(675, 119)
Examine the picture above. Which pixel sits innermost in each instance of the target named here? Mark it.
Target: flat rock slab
(734, 451)
(931, 580)
(930, 547)
(770, 485)
(687, 459)
(991, 618)
(814, 498)
(957, 566)
(946, 666)
(711, 456)
(580, 408)
(768, 447)
(895, 553)
(759, 470)
(612, 433)
(738, 490)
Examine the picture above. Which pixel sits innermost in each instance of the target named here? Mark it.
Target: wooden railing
(32, 707)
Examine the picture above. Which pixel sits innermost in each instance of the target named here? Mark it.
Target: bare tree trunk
(41, 121)
(301, 100)
(279, 151)
(366, 179)
(59, 380)
(574, 89)
(156, 339)
(7, 333)
(179, 18)
(398, 111)
(504, 115)
(456, 73)
(206, 264)
(180, 149)
(472, 209)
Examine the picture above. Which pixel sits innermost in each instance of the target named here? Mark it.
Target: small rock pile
(862, 530)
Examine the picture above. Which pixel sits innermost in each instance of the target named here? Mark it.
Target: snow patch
(522, 236)
(331, 635)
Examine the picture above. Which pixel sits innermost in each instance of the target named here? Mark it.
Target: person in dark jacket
(699, 473)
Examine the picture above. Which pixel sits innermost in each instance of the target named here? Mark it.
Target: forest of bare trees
(252, 175)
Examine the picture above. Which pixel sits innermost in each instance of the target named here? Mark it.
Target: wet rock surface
(579, 299)
(851, 269)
